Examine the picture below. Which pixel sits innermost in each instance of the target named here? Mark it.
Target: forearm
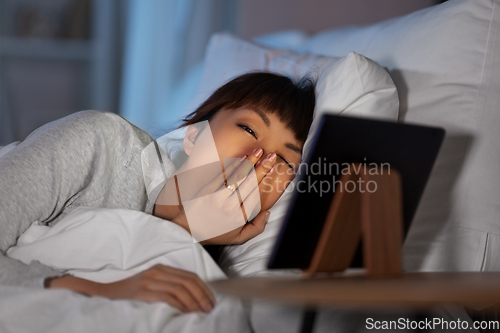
(114, 290)
(181, 289)
(82, 286)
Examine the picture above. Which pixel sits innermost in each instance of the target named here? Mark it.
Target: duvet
(106, 245)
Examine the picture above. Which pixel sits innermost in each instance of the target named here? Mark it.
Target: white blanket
(106, 245)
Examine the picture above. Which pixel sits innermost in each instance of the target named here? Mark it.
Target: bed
(438, 66)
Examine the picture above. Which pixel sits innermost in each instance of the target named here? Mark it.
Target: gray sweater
(89, 159)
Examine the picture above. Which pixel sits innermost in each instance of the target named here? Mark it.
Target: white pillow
(351, 85)
(286, 39)
(445, 62)
(350, 82)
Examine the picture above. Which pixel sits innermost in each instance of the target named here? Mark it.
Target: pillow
(186, 87)
(363, 81)
(444, 61)
(352, 85)
(286, 39)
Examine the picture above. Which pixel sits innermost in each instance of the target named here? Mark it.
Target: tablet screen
(339, 141)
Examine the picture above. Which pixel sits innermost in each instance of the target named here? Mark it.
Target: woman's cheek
(271, 189)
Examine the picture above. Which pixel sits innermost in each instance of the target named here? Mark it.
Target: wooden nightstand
(355, 289)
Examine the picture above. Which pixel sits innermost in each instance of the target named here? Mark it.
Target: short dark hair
(293, 102)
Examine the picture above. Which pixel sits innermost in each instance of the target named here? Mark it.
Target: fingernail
(257, 152)
(243, 157)
(271, 157)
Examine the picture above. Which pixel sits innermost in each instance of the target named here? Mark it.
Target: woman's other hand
(235, 174)
(179, 288)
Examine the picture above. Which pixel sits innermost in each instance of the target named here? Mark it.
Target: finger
(253, 228)
(264, 169)
(172, 300)
(192, 282)
(190, 276)
(244, 168)
(251, 204)
(265, 166)
(220, 180)
(177, 290)
(152, 296)
(195, 292)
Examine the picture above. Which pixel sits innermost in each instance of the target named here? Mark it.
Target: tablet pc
(339, 141)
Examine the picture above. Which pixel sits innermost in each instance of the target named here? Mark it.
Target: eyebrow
(293, 147)
(264, 117)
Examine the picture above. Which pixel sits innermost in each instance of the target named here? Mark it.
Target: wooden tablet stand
(367, 205)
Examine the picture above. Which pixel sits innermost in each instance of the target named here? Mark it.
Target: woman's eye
(248, 129)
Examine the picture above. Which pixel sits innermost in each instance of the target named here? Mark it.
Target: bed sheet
(63, 311)
(106, 245)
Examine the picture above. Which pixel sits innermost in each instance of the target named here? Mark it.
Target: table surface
(421, 289)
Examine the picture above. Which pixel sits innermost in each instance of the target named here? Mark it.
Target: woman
(94, 159)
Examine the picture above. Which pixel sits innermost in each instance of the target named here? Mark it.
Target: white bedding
(106, 245)
(62, 311)
(403, 46)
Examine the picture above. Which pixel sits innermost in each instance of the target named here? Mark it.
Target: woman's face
(238, 132)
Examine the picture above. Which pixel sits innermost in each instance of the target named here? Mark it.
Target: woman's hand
(179, 288)
(228, 205)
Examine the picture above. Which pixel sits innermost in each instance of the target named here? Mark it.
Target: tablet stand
(367, 205)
